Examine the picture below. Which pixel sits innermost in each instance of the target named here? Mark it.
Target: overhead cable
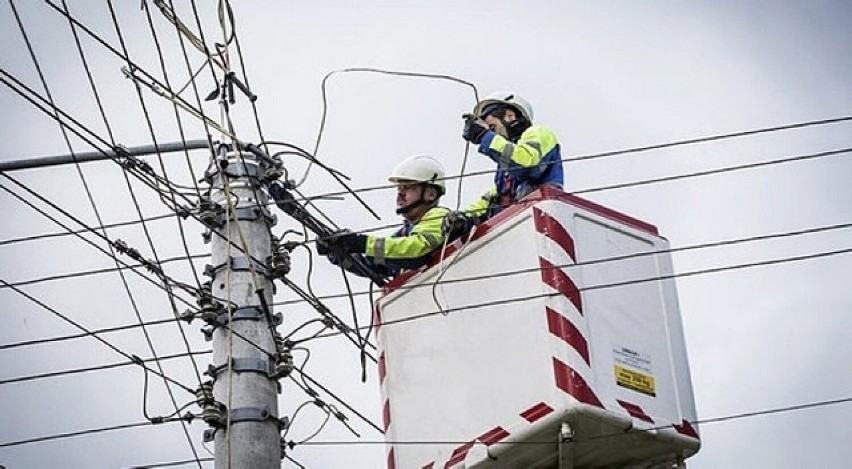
(95, 336)
(521, 299)
(712, 244)
(73, 371)
(724, 169)
(622, 434)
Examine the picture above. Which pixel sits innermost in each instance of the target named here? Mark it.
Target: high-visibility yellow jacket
(534, 160)
(410, 247)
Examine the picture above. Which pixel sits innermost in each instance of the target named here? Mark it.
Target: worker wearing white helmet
(527, 155)
(419, 182)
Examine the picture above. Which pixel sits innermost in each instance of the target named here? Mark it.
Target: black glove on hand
(474, 131)
(342, 242)
(456, 224)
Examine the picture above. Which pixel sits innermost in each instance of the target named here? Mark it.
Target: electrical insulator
(279, 262)
(211, 411)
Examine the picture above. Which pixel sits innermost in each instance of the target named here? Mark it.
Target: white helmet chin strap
(420, 201)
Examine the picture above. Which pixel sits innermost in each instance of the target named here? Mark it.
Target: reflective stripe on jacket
(411, 246)
(522, 167)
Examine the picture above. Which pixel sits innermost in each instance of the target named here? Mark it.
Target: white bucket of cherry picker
(553, 337)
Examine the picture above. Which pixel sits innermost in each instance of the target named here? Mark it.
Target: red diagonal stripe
(559, 280)
(687, 429)
(429, 466)
(386, 414)
(536, 412)
(493, 436)
(377, 318)
(635, 411)
(571, 382)
(553, 229)
(391, 460)
(458, 455)
(561, 327)
(382, 368)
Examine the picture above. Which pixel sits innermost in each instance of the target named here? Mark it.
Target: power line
(763, 237)
(90, 230)
(132, 165)
(711, 138)
(799, 157)
(73, 371)
(729, 242)
(96, 337)
(63, 338)
(622, 152)
(611, 285)
(630, 432)
(133, 66)
(173, 463)
(171, 192)
(59, 436)
(726, 169)
(341, 401)
(59, 234)
(87, 273)
(588, 190)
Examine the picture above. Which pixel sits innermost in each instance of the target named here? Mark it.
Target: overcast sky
(604, 75)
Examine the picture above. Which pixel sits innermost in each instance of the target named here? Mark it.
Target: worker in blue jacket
(527, 155)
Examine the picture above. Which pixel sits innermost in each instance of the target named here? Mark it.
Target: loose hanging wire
(385, 72)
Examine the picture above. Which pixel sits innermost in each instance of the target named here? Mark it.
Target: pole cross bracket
(213, 216)
(247, 414)
(237, 264)
(243, 365)
(245, 313)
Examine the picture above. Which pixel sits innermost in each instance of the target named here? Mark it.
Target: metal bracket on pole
(237, 264)
(213, 214)
(247, 313)
(244, 364)
(247, 414)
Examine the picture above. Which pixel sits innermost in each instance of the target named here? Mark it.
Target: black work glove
(342, 242)
(456, 224)
(473, 130)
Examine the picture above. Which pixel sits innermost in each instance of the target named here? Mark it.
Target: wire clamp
(210, 213)
(279, 261)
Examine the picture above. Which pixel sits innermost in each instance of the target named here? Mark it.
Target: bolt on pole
(248, 436)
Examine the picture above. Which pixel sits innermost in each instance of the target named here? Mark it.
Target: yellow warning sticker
(635, 380)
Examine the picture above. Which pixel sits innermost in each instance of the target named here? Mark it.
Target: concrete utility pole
(248, 433)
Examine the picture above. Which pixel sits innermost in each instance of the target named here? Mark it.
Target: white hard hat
(419, 168)
(505, 97)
